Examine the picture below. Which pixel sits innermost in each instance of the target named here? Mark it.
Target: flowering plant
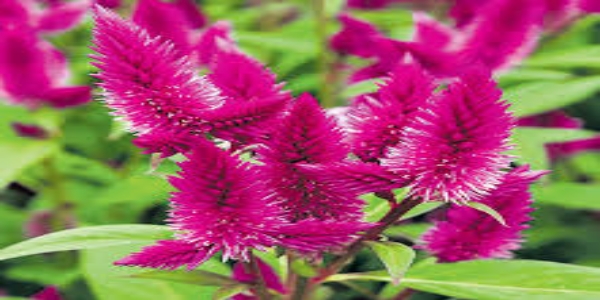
(274, 193)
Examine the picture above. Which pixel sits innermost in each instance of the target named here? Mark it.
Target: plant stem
(372, 234)
(326, 87)
(260, 288)
(404, 295)
(62, 206)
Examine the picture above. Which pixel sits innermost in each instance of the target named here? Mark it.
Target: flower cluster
(497, 34)
(33, 72)
(263, 168)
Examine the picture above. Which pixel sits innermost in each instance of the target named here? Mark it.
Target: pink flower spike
(471, 234)
(355, 37)
(165, 142)
(146, 80)
(168, 255)
(454, 149)
(310, 235)
(65, 97)
(109, 3)
(432, 33)
(376, 122)
(193, 15)
(503, 33)
(62, 17)
(30, 131)
(590, 6)
(553, 119)
(164, 19)
(215, 39)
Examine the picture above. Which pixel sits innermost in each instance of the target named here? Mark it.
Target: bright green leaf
(87, 238)
(507, 279)
(581, 57)
(538, 97)
(420, 209)
(396, 257)
(18, 154)
(569, 195)
(364, 276)
(196, 277)
(227, 291)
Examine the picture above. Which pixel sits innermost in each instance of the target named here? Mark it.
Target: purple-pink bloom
(376, 121)
(591, 6)
(224, 204)
(467, 233)
(62, 16)
(215, 39)
(306, 135)
(556, 119)
(166, 19)
(147, 81)
(32, 72)
(454, 148)
(355, 37)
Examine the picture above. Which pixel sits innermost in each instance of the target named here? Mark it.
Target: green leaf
(538, 97)
(569, 195)
(420, 209)
(396, 257)
(507, 279)
(526, 74)
(109, 282)
(16, 155)
(363, 87)
(196, 277)
(227, 291)
(487, 210)
(365, 276)
(87, 238)
(303, 268)
(581, 57)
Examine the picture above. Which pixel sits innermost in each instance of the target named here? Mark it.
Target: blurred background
(64, 161)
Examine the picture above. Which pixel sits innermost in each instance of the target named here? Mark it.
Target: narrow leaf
(364, 276)
(507, 279)
(229, 290)
(488, 210)
(396, 257)
(87, 238)
(562, 194)
(196, 277)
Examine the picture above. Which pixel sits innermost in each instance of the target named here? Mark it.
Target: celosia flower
(147, 81)
(305, 135)
(61, 16)
(556, 119)
(109, 3)
(376, 121)
(169, 20)
(354, 37)
(32, 72)
(591, 6)
(454, 149)
(468, 234)
(215, 39)
(271, 279)
(223, 204)
(503, 33)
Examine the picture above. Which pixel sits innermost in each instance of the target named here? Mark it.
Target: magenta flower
(61, 16)
(32, 72)
(468, 234)
(557, 119)
(376, 121)
(305, 135)
(223, 204)
(454, 148)
(215, 39)
(591, 6)
(354, 37)
(146, 80)
(171, 20)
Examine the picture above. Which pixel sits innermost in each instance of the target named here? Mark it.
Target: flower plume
(146, 80)
(454, 149)
(471, 234)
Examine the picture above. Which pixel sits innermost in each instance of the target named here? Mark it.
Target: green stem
(327, 86)
(390, 218)
(61, 204)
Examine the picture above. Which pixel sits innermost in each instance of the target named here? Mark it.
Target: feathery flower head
(591, 6)
(454, 148)
(467, 233)
(376, 122)
(215, 39)
(223, 204)
(146, 80)
(354, 37)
